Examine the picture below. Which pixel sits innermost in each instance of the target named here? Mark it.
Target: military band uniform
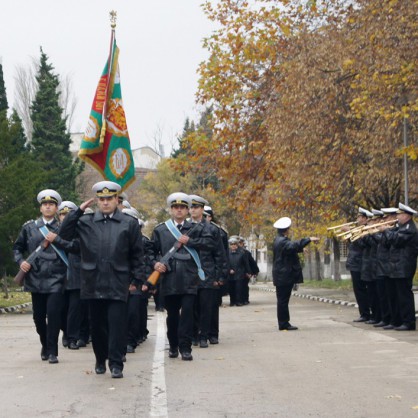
(403, 242)
(239, 271)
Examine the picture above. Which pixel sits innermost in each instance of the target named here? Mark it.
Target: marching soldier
(212, 264)
(45, 279)
(403, 241)
(221, 284)
(287, 270)
(112, 259)
(180, 280)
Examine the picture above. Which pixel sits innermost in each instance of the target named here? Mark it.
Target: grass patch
(15, 298)
(328, 284)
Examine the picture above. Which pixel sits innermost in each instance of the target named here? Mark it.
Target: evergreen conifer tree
(50, 140)
(3, 98)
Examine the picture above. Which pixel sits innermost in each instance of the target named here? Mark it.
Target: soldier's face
(48, 210)
(403, 218)
(107, 205)
(179, 212)
(196, 212)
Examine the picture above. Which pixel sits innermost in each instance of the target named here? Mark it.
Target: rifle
(32, 257)
(155, 275)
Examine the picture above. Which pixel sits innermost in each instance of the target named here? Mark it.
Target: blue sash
(177, 234)
(44, 231)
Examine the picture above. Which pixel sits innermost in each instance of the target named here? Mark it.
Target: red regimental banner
(100, 96)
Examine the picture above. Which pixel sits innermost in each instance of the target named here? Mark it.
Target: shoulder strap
(177, 234)
(61, 253)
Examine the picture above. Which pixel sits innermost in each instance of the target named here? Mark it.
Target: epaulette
(161, 223)
(219, 226)
(28, 222)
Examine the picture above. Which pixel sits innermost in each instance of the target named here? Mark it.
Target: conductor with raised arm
(287, 270)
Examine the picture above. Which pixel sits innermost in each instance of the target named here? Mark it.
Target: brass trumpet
(331, 228)
(372, 229)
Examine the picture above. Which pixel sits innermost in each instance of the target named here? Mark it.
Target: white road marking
(158, 406)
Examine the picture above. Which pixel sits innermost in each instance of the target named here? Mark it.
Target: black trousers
(283, 294)
(214, 319)
(360, 292)
(134, 324)
(202, 311)
(392, 297)
(74, 315)
(108, 330)
(373, 300)
(385, 314)
(406, 300)
(237, 292)
(47, 308)
(180, 320)
(143, 318)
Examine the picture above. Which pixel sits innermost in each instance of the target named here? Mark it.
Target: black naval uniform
(403, 252)
(353, 264)
(111, 258)
(237, 281)
(221, 288)
(180, 282)
(385, 287)
(212, 264)
(287, 271)
(368, 275)
(45, 280)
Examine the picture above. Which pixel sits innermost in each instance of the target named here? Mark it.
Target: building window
(343, 249)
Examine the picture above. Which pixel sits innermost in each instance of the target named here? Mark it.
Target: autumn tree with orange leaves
(309, 99)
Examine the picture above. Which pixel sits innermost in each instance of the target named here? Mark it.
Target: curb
(16, 308)
(311, 297)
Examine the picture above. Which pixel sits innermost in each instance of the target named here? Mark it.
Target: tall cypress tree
(50, 140)
(3, 98)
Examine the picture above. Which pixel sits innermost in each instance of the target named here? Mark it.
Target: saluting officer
(403, 252)
(45, 279)
(112, 259)
(180, 280)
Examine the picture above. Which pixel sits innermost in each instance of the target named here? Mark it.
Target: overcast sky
(160, 45)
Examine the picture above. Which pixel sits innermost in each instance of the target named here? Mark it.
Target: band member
(354, 264)
(45, 278)
(180, 280)
(287, 270)
(403, 252)
(385, 287)
(212, 264)
(112, 259)
(368, 269)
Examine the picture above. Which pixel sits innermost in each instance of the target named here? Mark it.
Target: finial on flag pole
(113, 17)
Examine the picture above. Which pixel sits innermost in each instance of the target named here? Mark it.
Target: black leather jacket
(287, 269)
(111, 252)
(48, 273)
(182, 275)
(403, 251)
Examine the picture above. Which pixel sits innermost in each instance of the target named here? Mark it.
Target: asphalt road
(330, 367)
